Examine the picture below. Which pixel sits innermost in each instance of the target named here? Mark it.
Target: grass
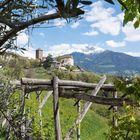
(93, 125)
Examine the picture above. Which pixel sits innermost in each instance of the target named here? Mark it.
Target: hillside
(108, 62)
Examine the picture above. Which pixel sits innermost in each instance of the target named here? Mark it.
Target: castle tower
(39, 54)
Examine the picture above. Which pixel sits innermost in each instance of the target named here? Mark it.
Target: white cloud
(131, 33)
(91, 33)
(75, 25)
(30, 52)
(59, 22)
(136, 54)
(42, 34)
(114, 44)
(98, 12)
(62, 49)
(22, 39)
(108, 26)
(102, 19)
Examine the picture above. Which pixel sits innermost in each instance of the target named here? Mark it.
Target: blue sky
(101, 28)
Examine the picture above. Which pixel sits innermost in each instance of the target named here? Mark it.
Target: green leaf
(86, 2)
(136, 24)
(110, 1)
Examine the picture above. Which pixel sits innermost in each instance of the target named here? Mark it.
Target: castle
(60, 61)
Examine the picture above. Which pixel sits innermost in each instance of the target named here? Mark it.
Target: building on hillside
(39, 54)
(61, 62)
(66, 60)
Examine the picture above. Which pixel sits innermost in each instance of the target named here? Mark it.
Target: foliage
(129, 86)
(128, 127)
(132, 12)
(48, 62)
(34, 63)
(14, 69)
(77, 76)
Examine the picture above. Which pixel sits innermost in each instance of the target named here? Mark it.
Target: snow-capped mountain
(105, 61)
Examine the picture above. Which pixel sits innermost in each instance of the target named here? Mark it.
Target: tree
(48, 62)
(17, 15)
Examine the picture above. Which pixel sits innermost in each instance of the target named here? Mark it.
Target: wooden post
(40, 112)
(78, 123)
(115, 108)
(58, 135)
(22, 109)
(42, 104)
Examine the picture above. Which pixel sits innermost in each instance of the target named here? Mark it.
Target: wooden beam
(64, 83)
(45, 99)
(30, 81)
(58, 135)
(41, 105)
(98, 100)
(78, 123)
(88, 104)
(115, 109)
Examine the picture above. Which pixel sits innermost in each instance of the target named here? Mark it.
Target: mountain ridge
(108, 62)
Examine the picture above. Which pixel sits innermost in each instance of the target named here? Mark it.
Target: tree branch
(2, 4)
(23, 25)
(8, 23)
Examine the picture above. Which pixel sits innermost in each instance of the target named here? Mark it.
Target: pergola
(78, 90)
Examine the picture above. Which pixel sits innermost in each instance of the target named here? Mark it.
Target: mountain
(107, 62)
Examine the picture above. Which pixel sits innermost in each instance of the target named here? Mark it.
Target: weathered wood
(84, 84)
(88, 104)
(122, 97)
(78, 123)
(37, 88)
(86, 107)
(22, 111)
(45, 99)
(115, 108)
(39, 110)
(98, 100)
(30, 81)
(58, 135)
(65, 83)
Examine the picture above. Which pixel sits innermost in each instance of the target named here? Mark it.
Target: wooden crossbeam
(42, 83)
(98, 100)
